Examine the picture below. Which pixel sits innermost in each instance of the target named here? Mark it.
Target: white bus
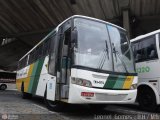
(147, 53)
(7, 80)
(82, 61)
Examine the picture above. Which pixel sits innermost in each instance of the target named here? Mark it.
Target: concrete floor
(14, 107)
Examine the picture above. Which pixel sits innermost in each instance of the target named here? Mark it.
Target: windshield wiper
(104, 54)
(117, 54)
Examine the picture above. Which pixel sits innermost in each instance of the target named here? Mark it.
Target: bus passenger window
(138, 57)
(53, 55)
(152, 54)
(159, 40)
(145, 49)
(31, 57)
(46, 47)
(66, 42)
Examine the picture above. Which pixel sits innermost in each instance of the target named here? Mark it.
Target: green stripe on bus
(119, 83)
(32, 76)
(36, 78)
(111, 80)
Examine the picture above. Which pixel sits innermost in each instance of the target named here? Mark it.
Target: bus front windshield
(102, 46)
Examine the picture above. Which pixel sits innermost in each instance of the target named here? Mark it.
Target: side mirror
(74, 35)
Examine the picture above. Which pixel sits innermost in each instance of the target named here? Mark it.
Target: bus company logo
(98, 82)
(4, 117)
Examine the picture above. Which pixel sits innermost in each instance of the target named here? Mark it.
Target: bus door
(64, 65)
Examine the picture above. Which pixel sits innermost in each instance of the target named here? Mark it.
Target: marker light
(82, 82)
(133, 86)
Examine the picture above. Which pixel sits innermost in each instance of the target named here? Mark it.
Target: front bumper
(101, 96)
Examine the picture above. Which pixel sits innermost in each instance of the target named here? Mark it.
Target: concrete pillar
(126, 23)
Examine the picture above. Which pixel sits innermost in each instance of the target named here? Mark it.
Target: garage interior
(23, 23)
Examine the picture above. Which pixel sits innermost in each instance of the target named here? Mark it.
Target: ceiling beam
(30, 33)
(2, 67)
(152, 18)
(28, 45)
(3, 35)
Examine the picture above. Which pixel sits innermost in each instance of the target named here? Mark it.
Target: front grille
(107, 97)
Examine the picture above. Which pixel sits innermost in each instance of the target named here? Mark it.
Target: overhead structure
(28, 21)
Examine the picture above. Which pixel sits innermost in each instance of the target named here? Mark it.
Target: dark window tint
(159, 40)
(145, 49)
(22, 63)
(32, 57)
(46, 46)
(40, 51)
(53, 54)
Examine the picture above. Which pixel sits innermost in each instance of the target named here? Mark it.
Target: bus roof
(91, 18)
(56, 29)
(145, 35)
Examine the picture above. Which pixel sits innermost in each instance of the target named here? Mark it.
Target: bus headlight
(133, 86)
(82, 82)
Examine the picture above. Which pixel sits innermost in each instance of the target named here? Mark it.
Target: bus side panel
(27, 80)
(148, 69)
(29, 76)
(22, 76)
(35, 75)
(19, 84)
(148, 72)
(46, 80)
(43, 79)
(25, 77)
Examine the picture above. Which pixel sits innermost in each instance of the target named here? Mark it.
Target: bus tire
(3, 87)
(24, 94)
(147, 99)
(52, 105)
(97, 107)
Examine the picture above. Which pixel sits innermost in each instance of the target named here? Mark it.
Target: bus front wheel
(52, 105)
(3, 87)
(147, 99)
